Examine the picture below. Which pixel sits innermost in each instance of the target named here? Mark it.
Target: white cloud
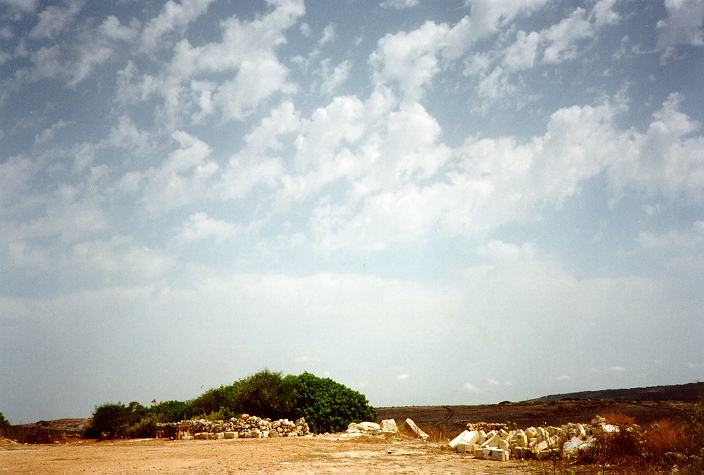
(333, 78)
(125, 135)
(563, 377)
(25, 6)
(683, 24)
(616, 369)
(305, 30)
(562, 38)
(328, 34)
(113, 29)
(173, 16)
(53, 20)
(402, 376)
(604, 14)
(200, 226)
(15, 172)
(667, 159)
(399, 4)
(409, 59)
(247, 48)
(182, 178)
(492, 381)
(469, 387)
(49, 133)
(522, 53)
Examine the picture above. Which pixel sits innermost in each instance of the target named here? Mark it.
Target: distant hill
(690, 392)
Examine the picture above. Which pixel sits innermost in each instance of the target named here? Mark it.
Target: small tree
(265, 394)
(3, 422)
(328, 406)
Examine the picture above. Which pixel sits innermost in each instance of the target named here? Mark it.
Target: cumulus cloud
(402, 376)
(333, 78)
(683, 24)
(113, 29)
(246, 52)
(180, 179)
(200, 226)
(562, 38)
(173, 16)
(328, 34)
(53, 20)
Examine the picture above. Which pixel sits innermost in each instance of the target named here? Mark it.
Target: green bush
(328, 406)
(264, 394)
(114, 420)
(213, 400)
(145, 427)
(3, 422)
(171, 411)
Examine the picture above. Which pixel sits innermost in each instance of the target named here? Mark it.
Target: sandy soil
(320, 454)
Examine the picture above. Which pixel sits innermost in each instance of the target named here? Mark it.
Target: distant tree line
(327, 406)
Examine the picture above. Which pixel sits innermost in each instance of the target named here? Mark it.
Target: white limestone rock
(389, 425)
(416, 430)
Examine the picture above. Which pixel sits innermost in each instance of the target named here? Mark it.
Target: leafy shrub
(114, 420)
(3, 422)
(145, 427)
(171, 411)
(328, 406)
(265, 394)
(213, 400)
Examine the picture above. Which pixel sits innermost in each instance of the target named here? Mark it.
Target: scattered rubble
(243, 427)
(492, 441)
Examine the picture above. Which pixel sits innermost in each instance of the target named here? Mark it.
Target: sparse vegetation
(327, 406)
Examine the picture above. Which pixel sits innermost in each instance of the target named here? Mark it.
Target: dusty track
(283, 455)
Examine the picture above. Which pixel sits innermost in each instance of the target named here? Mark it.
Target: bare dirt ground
(321, 454)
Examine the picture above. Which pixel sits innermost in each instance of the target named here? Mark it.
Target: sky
(432, 202)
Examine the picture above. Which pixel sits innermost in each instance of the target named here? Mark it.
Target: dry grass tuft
(618, 419)
(664, 436)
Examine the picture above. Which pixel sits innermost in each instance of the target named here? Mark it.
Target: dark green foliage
(264, 394)
(3, 422)
(328, 406)
(115, 420)
(171, 411)
(213, 400)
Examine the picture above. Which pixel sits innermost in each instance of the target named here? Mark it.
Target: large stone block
(491, 453)
(389, 425)
(416, 430)
(466, 437)
(230, 435)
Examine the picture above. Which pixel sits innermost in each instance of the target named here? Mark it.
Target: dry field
(321, 454)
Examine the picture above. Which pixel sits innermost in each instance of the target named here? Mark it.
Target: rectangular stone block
(230, 435)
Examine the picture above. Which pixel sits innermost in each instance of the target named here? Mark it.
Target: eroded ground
(284, 455)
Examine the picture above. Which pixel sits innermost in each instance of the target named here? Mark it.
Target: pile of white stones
(245, 426)
(533, 442)
(356, 429)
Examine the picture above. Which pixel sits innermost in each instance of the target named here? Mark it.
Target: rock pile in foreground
(534, 442)
(246, 427)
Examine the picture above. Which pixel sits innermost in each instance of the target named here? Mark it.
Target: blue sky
(431, 202)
